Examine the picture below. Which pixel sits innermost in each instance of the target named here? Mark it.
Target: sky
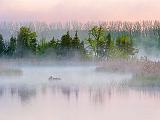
(79, 10)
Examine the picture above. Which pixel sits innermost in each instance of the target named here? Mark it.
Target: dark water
(81, 94)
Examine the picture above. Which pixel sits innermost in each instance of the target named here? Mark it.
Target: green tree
(12, 46)
(42, 47)
(125, 44)
(26, 41)
(108, 41)
(33, 42)
(76, 41)
(96, 38)
(66, 40)
(66, 43)
(158, 32)
(2, 46)
(109, 46)
(100, 42)
(52, 43)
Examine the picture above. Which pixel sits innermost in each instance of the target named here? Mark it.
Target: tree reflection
(22, 92)
(96, 95)
(26, 94)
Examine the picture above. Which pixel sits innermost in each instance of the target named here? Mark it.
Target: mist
(79, 60)
(64, 78)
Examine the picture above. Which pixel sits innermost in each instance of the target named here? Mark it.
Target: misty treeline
(90, 40)
(99, 44)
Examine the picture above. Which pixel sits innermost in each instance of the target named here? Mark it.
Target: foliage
(26, 41)
(100, 43)
(12, 46)
(52, 43)
(42, 46)
(125, 45)
(2, 46)
(104, 46)
(76, 41)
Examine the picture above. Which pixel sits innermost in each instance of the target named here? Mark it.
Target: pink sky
(79, 10)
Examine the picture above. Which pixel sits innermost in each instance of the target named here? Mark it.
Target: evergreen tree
(108, 41)
(109, 45)
(158, 32)
(52, 43)
(33, 42)
(82, 50)
(12, 46)
(2, 46)
(42, 46)
(125, 44)
(66, 42)
(76, 41)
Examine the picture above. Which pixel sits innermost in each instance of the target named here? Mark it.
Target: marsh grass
(135, 66)
(144, 71)
(145, 80)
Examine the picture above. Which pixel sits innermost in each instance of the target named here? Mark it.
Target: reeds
(141, 66)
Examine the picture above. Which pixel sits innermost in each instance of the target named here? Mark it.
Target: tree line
(99, 44)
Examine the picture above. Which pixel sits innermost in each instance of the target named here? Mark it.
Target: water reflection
(150, 92)
(22, 92)
(95, 95)
(26, 94)
(1, 91)
(82, 94)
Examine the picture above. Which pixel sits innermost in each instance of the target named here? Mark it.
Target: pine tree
(52, 43)
(109, 44)
(109, 41)
(2, 45)
(76, 41)
(125, 44)
(66, 42)
(12, 46)
(33, 42)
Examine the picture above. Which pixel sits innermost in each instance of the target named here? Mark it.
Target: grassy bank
(145, 72)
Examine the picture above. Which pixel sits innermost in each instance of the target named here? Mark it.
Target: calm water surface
(82, 94)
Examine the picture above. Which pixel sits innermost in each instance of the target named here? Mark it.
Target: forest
(98, 41)
(99, 45)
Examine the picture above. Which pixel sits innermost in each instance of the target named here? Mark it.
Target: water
(82, 94)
